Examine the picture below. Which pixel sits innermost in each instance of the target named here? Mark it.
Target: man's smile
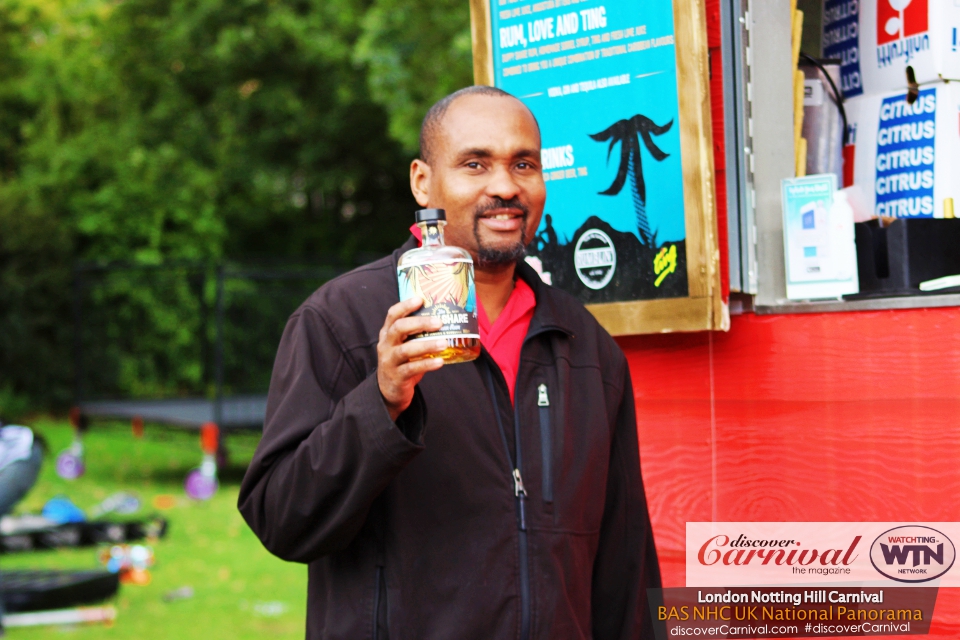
(503, 220)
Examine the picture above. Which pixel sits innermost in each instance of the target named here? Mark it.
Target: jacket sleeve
(329, 447)
(626, 564)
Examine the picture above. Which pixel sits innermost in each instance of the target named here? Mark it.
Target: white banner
(728, 554)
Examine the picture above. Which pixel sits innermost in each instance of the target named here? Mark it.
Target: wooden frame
(482, 42)
(703, 308)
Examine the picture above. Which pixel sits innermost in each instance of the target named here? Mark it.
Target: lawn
(239, 589)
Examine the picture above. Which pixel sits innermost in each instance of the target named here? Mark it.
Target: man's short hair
(432, 121)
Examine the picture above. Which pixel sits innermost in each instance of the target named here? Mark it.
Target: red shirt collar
(503, 339)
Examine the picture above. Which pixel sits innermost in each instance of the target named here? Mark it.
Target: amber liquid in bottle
(443, 277)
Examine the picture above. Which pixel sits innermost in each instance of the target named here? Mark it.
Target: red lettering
(702, 555)
(836, 557)
(770, 554)
(846, 558)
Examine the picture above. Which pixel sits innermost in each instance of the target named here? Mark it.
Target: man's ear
(420, 182)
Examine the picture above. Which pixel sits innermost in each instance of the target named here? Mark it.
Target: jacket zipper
(376, 604)
(520, 495)
(546, 442)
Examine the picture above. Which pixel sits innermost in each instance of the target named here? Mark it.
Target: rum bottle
(443, 277)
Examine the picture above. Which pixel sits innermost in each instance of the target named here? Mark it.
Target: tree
(38, 109)
(191, 130)
(416, 54)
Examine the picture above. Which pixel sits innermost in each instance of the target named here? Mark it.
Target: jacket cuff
(399, 440)
(414, 418)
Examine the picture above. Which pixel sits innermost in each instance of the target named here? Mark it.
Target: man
(499, 498)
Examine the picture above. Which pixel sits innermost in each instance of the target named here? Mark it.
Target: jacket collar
(549, 314)
(552, 312)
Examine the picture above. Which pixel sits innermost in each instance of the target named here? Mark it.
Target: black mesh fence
(183, 330)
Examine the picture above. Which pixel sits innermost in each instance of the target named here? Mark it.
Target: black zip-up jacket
(467, 518)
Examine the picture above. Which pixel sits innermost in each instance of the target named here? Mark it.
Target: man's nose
(502, 184)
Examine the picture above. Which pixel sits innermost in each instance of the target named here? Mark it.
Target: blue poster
(601, 78)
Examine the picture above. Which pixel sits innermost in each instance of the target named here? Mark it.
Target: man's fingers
(396, 375)
(417, 349)
(404, 327)
(419, 367)
(401, 309)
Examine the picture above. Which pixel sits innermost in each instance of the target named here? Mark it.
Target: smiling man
(499, 498)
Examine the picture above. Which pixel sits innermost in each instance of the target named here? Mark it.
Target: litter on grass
(11, 525)
(270, 609)
(122, 502)
(46, 590)
(61, 616)
(62, 511)
(30, 533)
(164, 501)
(183, 593)
(130, 561)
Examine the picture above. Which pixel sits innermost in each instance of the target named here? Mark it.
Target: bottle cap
(430, 215)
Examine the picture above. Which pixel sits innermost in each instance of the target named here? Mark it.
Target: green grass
(209, 547)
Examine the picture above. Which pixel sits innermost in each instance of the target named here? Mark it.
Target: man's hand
(396, 374)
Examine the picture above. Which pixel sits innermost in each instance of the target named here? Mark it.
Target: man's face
(485, 172)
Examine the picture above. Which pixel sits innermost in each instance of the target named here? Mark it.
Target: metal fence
(183, 330)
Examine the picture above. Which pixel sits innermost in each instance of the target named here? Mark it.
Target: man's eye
(473, 165)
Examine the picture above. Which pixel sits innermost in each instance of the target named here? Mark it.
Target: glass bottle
(443, 277)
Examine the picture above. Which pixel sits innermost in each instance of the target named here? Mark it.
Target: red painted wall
(821, 417)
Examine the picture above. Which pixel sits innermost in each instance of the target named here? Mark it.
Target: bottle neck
(432, 233)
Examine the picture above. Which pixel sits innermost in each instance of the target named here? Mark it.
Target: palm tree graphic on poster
(628, 133)
(650, 270)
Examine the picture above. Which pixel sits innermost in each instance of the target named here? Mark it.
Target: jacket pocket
(380, 607)
(546, 442)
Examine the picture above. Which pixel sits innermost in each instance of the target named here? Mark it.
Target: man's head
(480, 160)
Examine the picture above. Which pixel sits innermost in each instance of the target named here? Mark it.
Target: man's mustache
(499, 203)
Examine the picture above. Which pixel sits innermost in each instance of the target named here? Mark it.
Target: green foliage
(264, 97)
(36, 250)
(143, 332)
(147, 131)
(13, 406)
(416, 55)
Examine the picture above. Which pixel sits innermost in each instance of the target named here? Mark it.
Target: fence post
(78, 365)
(204, 329)
(218, 364)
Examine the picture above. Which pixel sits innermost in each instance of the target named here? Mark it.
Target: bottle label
(448, 292)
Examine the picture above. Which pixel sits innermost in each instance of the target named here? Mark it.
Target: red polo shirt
(504, 338)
